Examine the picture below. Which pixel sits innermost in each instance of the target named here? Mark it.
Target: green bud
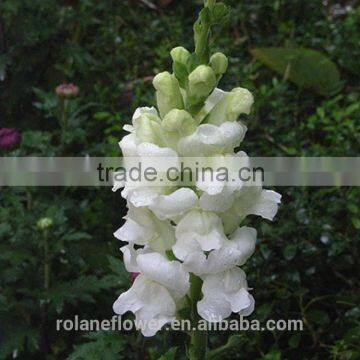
(202, 82)
(44, 223)
(179, 122)
(236, 102)
(180, 55)
(168, 93)
(219, 63)
(148, 128)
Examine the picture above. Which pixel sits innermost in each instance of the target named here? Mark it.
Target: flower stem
(198, 344)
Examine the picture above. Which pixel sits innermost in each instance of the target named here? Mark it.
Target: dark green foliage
(307, 261)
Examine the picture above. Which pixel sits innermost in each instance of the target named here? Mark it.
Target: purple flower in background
(9, 138)
(67, 90)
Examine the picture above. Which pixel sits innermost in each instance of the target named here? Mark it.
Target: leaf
(306, 68)
(169, 355)
(295, 340)
(319, 317)
(290, 251)
(220, 14)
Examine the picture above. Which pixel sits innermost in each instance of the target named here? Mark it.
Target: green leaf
(295, 340)
(169, 355)
(273, 355)
(319, 317)
(290, 251)
(117, 266)
(220, 14)
(306, 68)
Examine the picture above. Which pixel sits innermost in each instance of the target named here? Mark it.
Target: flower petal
(175, 204)
(202, 227)
(151, 303)
(167, 273)
(224, 293)
(211, 139)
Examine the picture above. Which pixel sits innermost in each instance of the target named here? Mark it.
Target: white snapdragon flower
(233, 252)
(142, 227)
(224, 293)
(156, 293)
(196, 232)
(211, 139)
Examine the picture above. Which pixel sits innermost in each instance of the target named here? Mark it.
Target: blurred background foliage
(301, 61)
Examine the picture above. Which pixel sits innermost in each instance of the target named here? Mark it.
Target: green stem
(202, 30)
(198, 343)
(46, 262)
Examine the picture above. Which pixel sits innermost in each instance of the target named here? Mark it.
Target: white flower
(142, 227)
(198, 231)
(155, 293)
(225, 293)
(210, 139)
(250, 200)
(220, 177)
(233, 252)
(175, 204)
(232, 104)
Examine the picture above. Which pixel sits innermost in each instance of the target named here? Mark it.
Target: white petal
(224, 293)
(128, 128)
(134, 233)
(244, 239)
(211, 139)
(142, 227)
(267, 204)
(202, 227)
(128, 145)
(129, 256)
(144, 110)
(168, 273)
(175, 204)
(233, 103)
(210, 103)
(141, 195)
(131, 299)
(234, 252)
(151, 150)
(218, 202)
(151, 302)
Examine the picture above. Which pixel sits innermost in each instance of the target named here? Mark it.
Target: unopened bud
(44, 223)
(168, 93)
(219, 63)
(148, 128)
(180, 55)
(179, 122)
(202, 82)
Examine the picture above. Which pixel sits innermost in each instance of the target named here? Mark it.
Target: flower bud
(202, 82)
(44, 223)
(148, 128)
(168, 93)
(236, 102)
(9, 138)
(179, 122)
(219, 63)
(180, 55)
